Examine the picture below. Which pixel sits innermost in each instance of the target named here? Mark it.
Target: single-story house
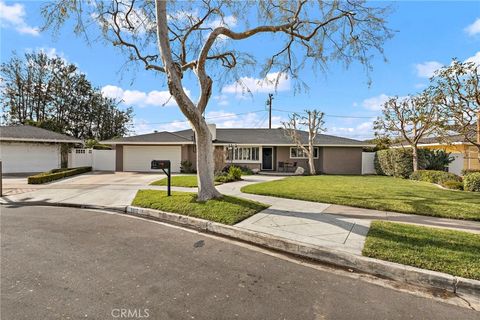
(261, 149)
(28, 149)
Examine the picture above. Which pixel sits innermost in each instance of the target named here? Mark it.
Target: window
(243, 154)
(299, 153)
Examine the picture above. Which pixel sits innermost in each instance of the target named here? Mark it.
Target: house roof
(237, 136)
(450, 139)
(34, 134)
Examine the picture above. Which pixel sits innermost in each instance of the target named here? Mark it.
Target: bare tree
(410, 119)
(457, 89)
(180, 38)
(312, 120)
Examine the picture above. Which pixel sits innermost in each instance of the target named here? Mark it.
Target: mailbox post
(165, 166)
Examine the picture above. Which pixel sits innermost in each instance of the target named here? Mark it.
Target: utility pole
(269, 104)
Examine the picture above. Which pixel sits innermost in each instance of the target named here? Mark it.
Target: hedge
(469, 171)
(471, 182)
(56, 174)
(397, 162)
(435, 176)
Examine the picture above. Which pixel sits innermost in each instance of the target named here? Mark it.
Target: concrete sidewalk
(339, 227)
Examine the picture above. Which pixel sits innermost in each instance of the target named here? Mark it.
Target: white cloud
(225, 119)
(427, 69)
(13, 16)
(375, 103)
(256, 85)
(361, 131)
(474, 28)
(475, 58)
(140, 98)
(227, 21)
(222, 100)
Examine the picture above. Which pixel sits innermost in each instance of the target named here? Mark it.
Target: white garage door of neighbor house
(29, 157)
(138, 158)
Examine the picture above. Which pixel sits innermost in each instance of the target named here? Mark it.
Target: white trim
(38, 140)
(148, 143)
(290, 153)
(245, 161)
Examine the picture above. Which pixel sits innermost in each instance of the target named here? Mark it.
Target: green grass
(375, 192)
(453, 252)
(227, 210)
(180, 181)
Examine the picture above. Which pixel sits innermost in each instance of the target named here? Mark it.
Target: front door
(267, 158)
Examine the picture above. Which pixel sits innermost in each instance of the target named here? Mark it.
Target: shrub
(223, 177)
(469, 171)
(235, 172)
(436, 159)
(452, 184)
(397, 162)
(471, 182)
(435, 176)
(246, 171)
(186, 167)
(56, 174)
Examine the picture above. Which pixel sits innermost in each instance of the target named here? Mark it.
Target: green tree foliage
(51, 93)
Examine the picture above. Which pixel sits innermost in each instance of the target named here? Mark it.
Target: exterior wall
(283, 155)
(342, 160)
(118, 157)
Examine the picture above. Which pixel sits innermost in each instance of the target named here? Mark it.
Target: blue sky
(428, 35)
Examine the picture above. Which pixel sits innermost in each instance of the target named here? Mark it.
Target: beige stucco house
(261, 149)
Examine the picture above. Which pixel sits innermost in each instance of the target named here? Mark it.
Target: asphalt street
(66, 263)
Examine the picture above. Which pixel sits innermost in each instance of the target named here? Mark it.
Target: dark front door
(267, 158)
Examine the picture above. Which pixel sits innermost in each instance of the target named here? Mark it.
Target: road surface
(66, 263)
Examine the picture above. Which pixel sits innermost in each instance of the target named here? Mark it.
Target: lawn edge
(380, 268)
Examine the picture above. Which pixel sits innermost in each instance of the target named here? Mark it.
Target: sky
(427, 36)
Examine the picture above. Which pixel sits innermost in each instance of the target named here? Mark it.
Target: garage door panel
(138, 158)
(29, 157)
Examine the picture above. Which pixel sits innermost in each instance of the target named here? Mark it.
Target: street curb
(121, 209)
(380, 268)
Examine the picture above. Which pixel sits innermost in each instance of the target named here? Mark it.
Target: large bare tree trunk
(205, 164)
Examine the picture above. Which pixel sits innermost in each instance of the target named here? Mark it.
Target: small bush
(469, 171)
(435, 176)
(246, 171)
(436, 159)
(56, 174)
(471, 182)
(452, 184)
(186, 167)
(235, 172)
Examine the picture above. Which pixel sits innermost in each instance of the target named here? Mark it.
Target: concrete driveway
(114, 189)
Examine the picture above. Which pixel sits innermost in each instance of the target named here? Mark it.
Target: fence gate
(100, 160)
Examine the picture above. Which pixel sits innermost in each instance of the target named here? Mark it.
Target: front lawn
(453, 252)
(180, 181)
(228, 210)
(375, 192)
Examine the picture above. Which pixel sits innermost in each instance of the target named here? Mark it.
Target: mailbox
(160, 164)
(163, 165)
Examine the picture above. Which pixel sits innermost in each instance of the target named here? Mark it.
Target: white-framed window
(243, 154)
(299, 153)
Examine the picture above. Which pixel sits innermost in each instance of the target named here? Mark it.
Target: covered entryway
(138, 158)
(267, 158)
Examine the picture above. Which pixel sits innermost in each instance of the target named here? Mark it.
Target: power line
(330, 115)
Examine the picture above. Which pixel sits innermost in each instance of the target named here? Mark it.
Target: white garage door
(138, 158)
(29, 157)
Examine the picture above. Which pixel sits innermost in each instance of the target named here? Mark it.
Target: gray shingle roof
(30, 133)
(240, 136)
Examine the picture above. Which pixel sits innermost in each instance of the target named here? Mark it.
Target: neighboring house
(31, 149)
(465, 153)
(261, 149)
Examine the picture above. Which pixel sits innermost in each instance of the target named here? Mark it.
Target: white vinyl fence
(100, 160)
(457, 165)
(368, 166)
